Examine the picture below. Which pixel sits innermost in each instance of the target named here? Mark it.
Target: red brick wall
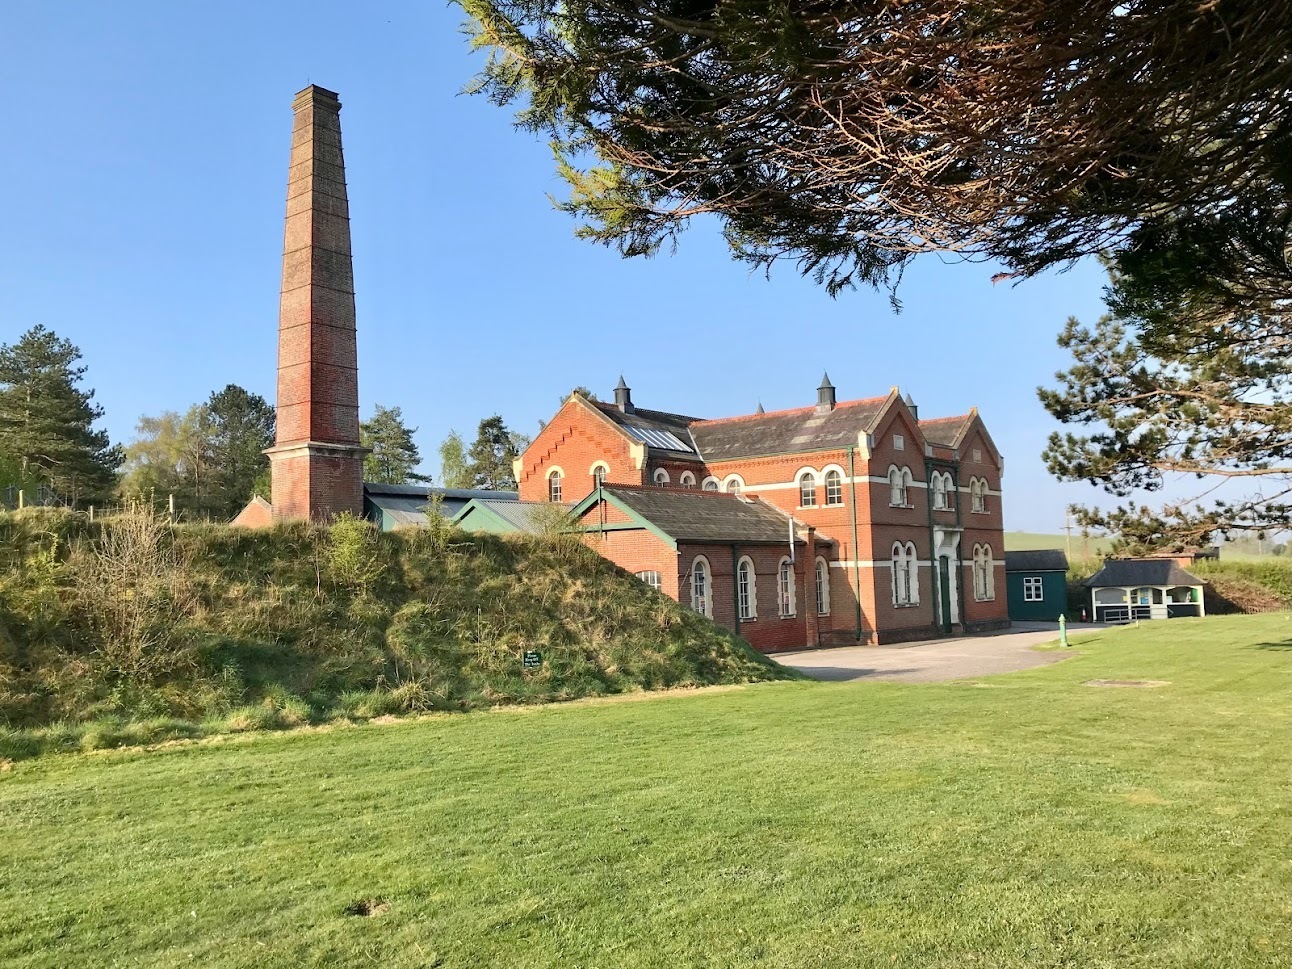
(574, 440)
(316, 486)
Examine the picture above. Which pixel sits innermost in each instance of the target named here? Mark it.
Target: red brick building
(895, 521)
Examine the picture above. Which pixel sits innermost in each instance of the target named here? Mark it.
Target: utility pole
(1067, 527)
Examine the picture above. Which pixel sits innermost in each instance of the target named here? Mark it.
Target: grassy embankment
(1027, 820)
(138, 631)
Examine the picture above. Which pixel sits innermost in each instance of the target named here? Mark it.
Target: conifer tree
(394, 456)
(492, 454)
(47, 419)
(241, 427)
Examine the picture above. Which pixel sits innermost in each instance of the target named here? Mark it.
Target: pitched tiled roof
(705, 516)
(1036, 560)
(945, 431)
(786, 431)
(657, 428)
(1138, 572)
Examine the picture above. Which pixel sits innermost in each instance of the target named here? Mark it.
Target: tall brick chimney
(316, 463)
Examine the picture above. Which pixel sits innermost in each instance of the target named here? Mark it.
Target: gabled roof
(518, 515)
(1036, 560)
(680, 515)
(423, 491)
(406, 504)
(660, 430)
(787, 431)
(947, 431)
(1140, 572)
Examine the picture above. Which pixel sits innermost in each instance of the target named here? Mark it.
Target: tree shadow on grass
(1285, 644)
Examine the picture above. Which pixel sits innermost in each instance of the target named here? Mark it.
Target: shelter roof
(1036, 560)
(1130, 573)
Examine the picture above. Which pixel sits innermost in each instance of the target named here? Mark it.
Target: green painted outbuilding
(1036, 584)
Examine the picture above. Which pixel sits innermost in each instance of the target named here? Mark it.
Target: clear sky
(144, 172)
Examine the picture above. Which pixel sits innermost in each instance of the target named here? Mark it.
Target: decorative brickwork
(316, 463)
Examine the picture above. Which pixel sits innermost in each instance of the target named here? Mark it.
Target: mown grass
(1025, 820)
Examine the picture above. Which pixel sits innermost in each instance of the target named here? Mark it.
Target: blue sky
(145, 171)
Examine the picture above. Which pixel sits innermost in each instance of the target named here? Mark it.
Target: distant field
(1094, 547)
(1027, 820)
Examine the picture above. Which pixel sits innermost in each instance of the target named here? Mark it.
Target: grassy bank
(138, 631)
(1026, 820)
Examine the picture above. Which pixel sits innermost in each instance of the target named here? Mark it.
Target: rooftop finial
(760, 408)
(623, 396)
(825, 395)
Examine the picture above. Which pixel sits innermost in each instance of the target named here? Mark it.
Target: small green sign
(533, 659)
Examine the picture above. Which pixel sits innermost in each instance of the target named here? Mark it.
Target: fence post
(91, 513)
(20, 498)
(170, 505)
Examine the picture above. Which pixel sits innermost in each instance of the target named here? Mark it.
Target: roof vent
(623, 396)
(825, 395)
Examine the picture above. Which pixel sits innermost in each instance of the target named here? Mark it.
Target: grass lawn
(1024, 820)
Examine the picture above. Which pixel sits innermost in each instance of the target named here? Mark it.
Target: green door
(944, 591)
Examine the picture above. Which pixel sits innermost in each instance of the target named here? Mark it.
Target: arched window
(906, 485)
(661, 478)
(906, 589)
(939, 490)
(747, 588)
(785, 587)
(735, 484)
(833, 488)
(701, 587)
(599, 472)
(984, 579)
(687, 480)
(710, 484)
(807, 490)
(978, 494)
(822, 587)
(896, 489)
(912, 573)
(554, 485)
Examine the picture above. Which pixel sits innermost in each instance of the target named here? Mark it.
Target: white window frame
(978, 495)
(836, 476)
(807, 493)
(822, 587)
(711, 484)
(687, 480)
(652, 578)
(785, 604)
(1033, 588)
(603, 468)
(906, 576)
(555, 476)
(939, 492)
(899, 442)
(702, 586)
(984, 581)
(896, 487)
(733, 484)
(660, 478)
(747, 589)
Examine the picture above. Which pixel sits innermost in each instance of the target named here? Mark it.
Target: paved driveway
(936, 661)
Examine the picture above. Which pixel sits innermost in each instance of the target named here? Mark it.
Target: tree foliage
(394, 456)
(851, 136)
(455, 466)
(1188, 375)
(210, 458)
(47, 419)
(492, 454)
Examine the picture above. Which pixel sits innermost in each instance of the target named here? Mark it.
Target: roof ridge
(944, 420)
(790, 410)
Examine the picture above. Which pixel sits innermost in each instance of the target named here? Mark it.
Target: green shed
(1036, 584)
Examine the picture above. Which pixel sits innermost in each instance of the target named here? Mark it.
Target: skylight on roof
(656, 438)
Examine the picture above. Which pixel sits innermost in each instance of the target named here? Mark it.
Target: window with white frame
(711, 484)
(807, 490)
(896, 487)
(899, 443)
(746, 589)
(554, 486)
(822, 587)
(1033, 589)
(833, 488)
(785, 587)
(599, 472)
(661, 477)
(978, 494)
(651, 578)
(984, 582)
(939, 491)
(906, 590)
(701, 587)
(734, 485)
(687, 480)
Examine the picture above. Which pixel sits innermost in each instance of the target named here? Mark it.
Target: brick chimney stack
(316, 463)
